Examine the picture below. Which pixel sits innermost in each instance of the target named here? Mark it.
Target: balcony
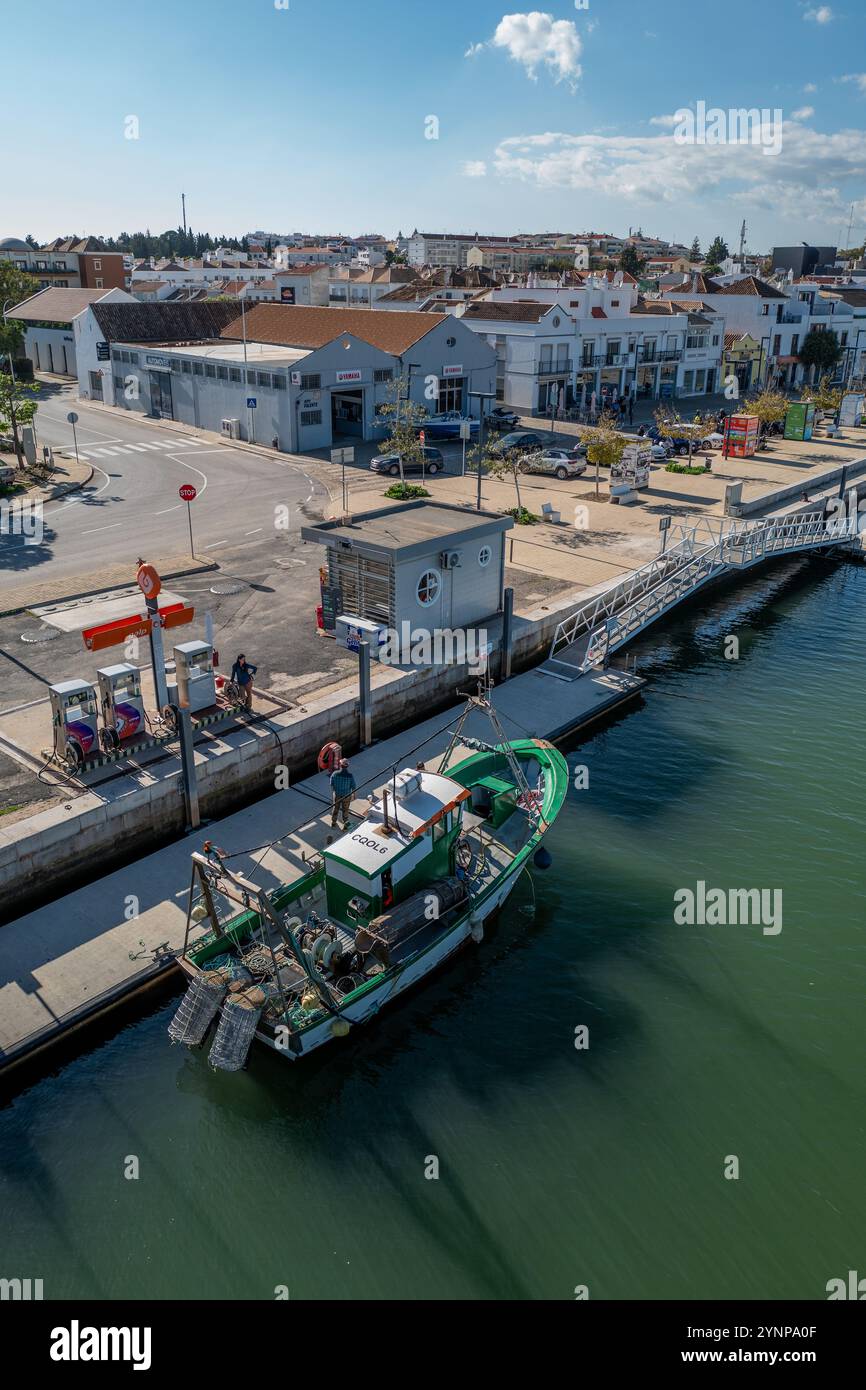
(617, 359)
(562, 366)
(652, 356)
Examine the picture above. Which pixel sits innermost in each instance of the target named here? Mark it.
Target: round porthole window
(485, 555)
(452, 342)
(557, 321)
(428, 588)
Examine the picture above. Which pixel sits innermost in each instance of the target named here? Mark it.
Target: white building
(314, 375)
(558, 346)
(49, 318)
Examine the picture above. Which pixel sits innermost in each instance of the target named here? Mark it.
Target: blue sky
(314, 117)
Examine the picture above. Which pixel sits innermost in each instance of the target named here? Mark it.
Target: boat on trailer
(376, 910)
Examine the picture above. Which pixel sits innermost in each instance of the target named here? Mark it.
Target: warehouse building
(306, 377)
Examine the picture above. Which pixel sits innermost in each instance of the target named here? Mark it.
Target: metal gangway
(704, 552)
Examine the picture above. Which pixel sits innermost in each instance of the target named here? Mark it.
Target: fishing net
(235, 1034)
(197, 1008)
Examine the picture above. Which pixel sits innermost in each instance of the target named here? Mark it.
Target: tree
(403, 418)
(824, 396)
(14, 286)
(604, 444)
(712, 269)
(499, 466)
(718, 250)
(819, 350)
(630, 260)
(695, 253)
(769, 406)
(32, 242)
(17, 407)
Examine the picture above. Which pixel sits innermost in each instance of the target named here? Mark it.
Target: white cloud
(822, 15)
(474, 49)
(858, 77)
(536, 38)
(810, 87)
(668, 121)
(656, 168)
(474, 169)
(802, 113)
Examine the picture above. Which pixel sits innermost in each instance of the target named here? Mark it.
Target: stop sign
(187, 492)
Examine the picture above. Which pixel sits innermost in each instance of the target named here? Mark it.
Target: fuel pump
(196, 685)
(74, 721)
(121, 705)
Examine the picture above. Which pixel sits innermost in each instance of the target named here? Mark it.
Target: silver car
(555, 463)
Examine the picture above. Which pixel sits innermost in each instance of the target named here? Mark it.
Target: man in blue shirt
(342, 787)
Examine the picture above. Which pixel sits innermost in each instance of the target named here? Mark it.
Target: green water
(557, 1167)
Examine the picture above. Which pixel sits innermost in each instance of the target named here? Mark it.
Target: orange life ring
(329, 757)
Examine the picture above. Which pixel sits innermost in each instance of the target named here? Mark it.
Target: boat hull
(363, 1010)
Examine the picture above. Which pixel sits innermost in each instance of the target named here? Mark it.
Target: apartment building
(777, 319)
(69, 263)
(447, 249)
(558, 346)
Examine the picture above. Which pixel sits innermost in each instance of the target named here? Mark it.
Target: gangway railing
(621, 594)
(738, 547)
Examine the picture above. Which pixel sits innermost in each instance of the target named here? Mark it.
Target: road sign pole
(188, 494)
(345, 507)
(365, 704)
(73, 419)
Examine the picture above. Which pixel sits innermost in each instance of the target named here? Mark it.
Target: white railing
(739, 545)
(627, 590)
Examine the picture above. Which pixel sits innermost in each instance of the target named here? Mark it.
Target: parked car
(522, 440)
(446, 425)
(661, 450)
(434, 462)
(500, 418)
(679, 442)
(573, 452)
(557, 463)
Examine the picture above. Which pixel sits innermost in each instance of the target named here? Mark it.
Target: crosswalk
(144, 446)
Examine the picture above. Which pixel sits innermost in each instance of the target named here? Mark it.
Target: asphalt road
(131, 507)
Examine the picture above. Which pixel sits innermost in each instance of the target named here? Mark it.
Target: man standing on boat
(343, 787)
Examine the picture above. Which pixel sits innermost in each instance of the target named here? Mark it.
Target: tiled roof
(163, 323)
(521, 312)
(758, 288)
(55, 305)
(289, 325)
(693, 306)
(315, 268)
(405, 294)
(856, 298)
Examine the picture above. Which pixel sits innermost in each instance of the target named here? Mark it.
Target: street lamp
(482, 396)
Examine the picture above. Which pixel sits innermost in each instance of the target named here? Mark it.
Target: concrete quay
(66, 964)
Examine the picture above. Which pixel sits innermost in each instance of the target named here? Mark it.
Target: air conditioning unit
(231, 428)
(449, 560)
